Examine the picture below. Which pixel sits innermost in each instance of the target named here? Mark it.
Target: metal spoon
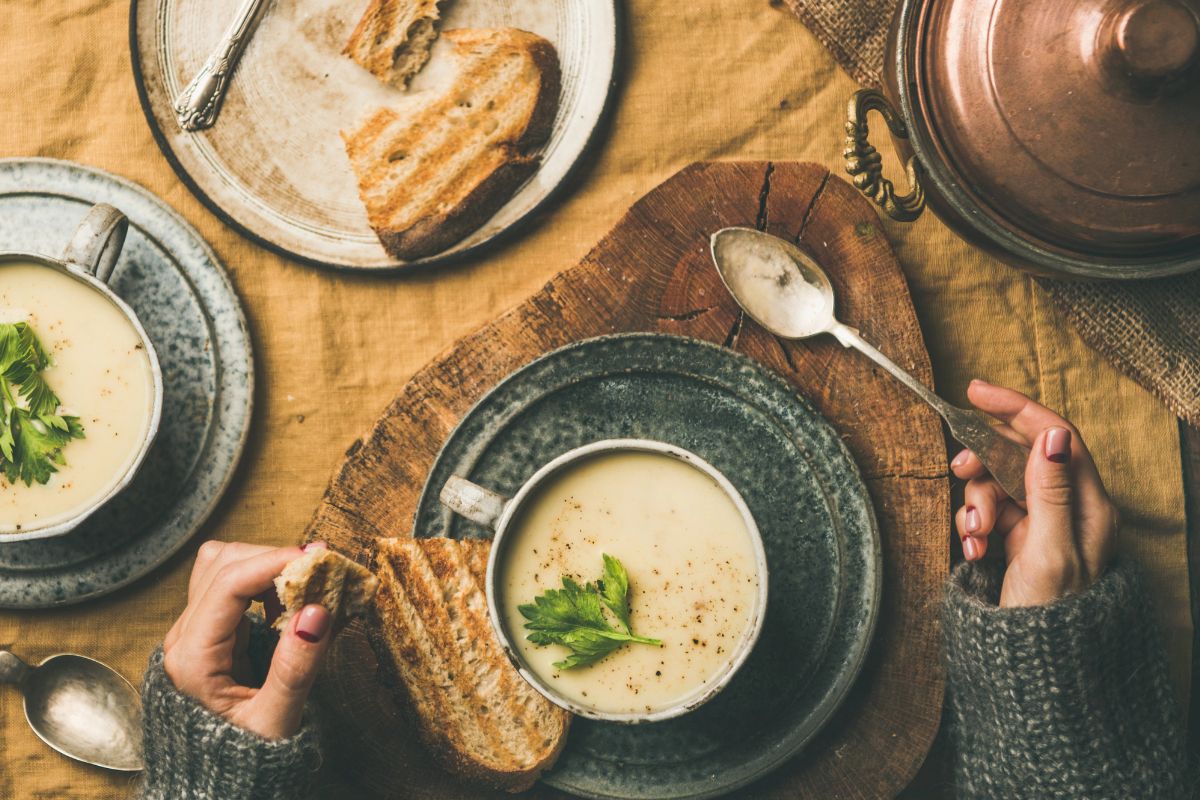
(783, 289)
(81, 708)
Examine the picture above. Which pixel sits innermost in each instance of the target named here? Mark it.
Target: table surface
(703, 80)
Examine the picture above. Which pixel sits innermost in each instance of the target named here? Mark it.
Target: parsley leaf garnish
(32, 431)
(614, 590)
(573, 617)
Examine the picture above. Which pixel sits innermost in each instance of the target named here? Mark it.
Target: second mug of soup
(694, 558)
(99, 364)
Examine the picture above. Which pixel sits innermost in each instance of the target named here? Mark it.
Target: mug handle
(472, 501)
(97, 241)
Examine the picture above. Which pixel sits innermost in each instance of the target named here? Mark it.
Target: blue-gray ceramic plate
(182, 296)
(805, 493)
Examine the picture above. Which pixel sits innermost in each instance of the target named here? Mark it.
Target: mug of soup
(81, 409)
(688, 554)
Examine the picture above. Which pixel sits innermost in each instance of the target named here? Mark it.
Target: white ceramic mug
(497, 513)
(90, 257)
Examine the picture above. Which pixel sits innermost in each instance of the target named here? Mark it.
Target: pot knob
(1154, 40)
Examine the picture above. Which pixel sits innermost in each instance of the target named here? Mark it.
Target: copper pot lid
(1076, 122)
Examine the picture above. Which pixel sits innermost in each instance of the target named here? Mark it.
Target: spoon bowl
(776, 283)
(81, 708)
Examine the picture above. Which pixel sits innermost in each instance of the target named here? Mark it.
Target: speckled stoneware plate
(182, 296)
(274, 163)
(805, 493)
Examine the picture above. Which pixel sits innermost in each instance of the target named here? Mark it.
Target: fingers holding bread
(225, 579)
(279, 705)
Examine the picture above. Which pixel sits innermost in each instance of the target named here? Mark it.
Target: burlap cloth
(703, 79)
(1149, 330)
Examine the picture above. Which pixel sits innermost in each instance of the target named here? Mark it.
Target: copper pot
(1063, 137)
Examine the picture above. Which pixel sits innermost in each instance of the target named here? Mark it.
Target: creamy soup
(691, 565)
(101, 373)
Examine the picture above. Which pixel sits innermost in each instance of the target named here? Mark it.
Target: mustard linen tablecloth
(703, 80)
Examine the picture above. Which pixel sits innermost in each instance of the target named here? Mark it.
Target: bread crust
(431, 235)
(541, 120)
(435, 730)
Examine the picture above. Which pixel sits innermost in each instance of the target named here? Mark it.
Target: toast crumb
(322, 576)
(393, 39)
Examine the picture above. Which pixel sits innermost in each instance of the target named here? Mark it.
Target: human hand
(1062, 537)
(204, 653)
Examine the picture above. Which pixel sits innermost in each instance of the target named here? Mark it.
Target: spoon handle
(200, 101)
(1004, 458)
(12, 669)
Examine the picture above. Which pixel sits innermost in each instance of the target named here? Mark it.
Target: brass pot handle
(866, 165)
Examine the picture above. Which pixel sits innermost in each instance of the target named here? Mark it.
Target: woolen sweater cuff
(193, 754)
(1065, 700)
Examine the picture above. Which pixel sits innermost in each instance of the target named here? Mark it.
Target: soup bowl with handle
(90, 258)
(498, 514)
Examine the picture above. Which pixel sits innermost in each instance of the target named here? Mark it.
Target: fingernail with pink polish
(960, 459)
(970, 548)
(972, 519)
(314, 546)
(1058, 445)
(312, 623)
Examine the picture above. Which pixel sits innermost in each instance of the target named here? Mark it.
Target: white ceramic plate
(274, 164)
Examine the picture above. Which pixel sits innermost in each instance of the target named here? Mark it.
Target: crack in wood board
(732, 337)
(787, 354)
(812, 204)
(686, 316)
(760, 221)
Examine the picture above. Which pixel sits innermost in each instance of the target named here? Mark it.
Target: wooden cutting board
(653, 272)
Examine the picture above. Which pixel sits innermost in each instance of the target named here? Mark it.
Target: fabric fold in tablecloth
(1150, 330)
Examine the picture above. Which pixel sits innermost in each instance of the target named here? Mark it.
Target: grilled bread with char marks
(431, 176)
(431, 632)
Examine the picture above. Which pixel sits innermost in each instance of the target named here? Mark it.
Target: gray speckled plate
(816, 519)
(181, 294)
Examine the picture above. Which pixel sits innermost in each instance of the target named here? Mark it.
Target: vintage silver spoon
(81, 708)
(783, 289)
(200, 101)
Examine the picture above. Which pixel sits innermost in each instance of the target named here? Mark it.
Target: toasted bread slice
(330, 579)
(393, 39)
(432, 635)
(431, 177)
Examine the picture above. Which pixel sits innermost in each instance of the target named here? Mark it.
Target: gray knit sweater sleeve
(1066, 700)
(193, 754)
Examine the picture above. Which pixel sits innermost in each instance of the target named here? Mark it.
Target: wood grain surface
(653, 272)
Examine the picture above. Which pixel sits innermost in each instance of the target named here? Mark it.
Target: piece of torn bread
(393, 39)
(431, 632)
(322, 576)
(431, 176)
